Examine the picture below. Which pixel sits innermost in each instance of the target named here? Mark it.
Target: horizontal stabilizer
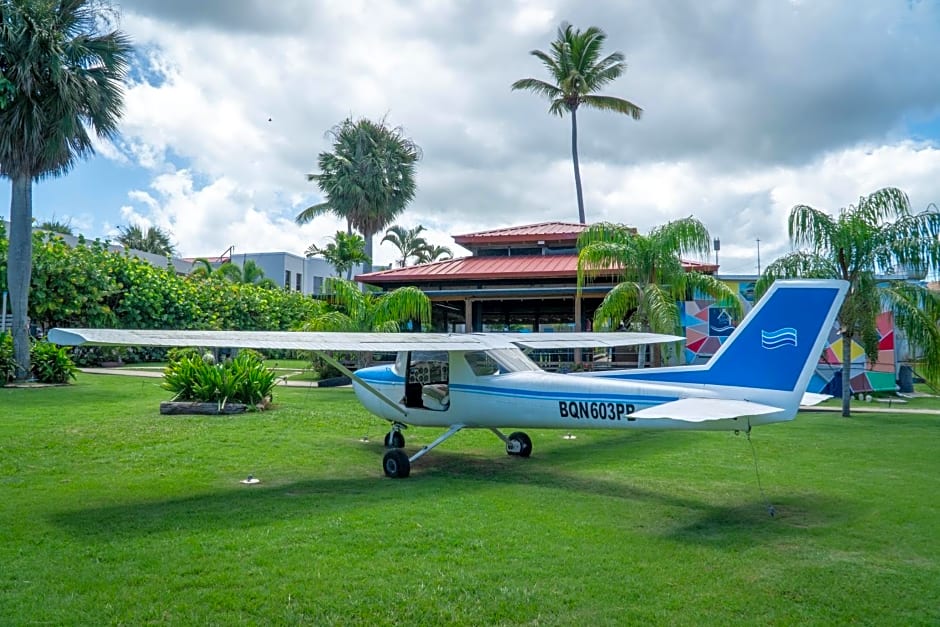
(811, 398)
(704, 409)
(587, 340)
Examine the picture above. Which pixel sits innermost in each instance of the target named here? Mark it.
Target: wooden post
(468, 315)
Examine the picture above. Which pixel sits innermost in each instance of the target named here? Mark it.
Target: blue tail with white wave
(776, 346)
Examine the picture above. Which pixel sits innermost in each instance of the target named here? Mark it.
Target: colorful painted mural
(707, 326)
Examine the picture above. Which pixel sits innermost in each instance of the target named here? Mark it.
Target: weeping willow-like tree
(62, 69)
(651, 278)
(878, 235)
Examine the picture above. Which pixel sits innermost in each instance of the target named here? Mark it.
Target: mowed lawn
(112, 513)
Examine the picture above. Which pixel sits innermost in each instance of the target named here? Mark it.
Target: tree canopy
(151, 239)
(368, 178)
(343, 253)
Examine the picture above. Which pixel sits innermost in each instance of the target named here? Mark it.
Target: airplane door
(427, 380)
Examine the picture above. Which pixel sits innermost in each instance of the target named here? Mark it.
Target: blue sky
(749, 108)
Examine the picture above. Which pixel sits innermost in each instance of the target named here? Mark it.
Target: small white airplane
(464, 381)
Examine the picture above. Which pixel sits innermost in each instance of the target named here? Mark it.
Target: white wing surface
(811, 398)
(353, 342)
(705, 409)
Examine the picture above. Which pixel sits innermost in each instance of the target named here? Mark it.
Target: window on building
(287, 279)
(300, 282)
(317, 284)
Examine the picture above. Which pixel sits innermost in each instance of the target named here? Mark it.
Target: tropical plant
(356, 311)
(368, 179)
(432, 252)
(51, 363)
(7, 362)
(66, 65)
(152, 239)
(577, 72)
(56, 226)
(408, 242)
(878, 235)
(345, 251)
(244, 379)
(651, 277)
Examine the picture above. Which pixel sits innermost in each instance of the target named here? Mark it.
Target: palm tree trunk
(19, 269)
(846, 376)
(367, 266)
(577, 167)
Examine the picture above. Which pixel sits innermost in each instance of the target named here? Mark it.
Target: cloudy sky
(750, 107)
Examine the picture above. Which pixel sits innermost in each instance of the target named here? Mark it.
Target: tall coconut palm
(577, 72)
(408, 242)
(152, 239)
(368, 179)
(344, 252)
(66, 65)
(878, 235)
(652, 279)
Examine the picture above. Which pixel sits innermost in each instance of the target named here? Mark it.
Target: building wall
(313, 270)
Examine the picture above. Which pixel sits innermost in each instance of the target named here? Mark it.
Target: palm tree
(878, 235)
(344, 252)
(408, 242)
(152, 239)
(578, 72)
(357, 311)
(202, 268)
(652, 280)
(368, 179)
(66, 67)
(56, 226)
(433, 252)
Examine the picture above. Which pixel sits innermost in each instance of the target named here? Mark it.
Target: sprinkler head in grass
(250, 480)
(569, 436)
(364, 438)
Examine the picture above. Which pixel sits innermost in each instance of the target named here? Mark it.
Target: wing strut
(352, 375)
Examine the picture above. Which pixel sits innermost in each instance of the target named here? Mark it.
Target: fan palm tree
(652, 279)
(368, 179)
(577, 72)
(878, 235)
(408, 242)
(56, 226)
(64, 68)
(344, 252)
(152, 239)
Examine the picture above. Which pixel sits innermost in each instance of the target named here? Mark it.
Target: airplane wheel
(394, 439)
(396, 464)
(525, 444)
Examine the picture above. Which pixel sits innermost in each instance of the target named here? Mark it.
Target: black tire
(396, 464)
(394, 439)
(525, 444)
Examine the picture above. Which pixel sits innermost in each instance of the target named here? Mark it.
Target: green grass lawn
(111, 513)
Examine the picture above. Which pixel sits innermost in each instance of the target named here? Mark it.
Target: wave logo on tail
(772, 340)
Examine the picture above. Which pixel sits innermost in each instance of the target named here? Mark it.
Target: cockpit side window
(481, 363)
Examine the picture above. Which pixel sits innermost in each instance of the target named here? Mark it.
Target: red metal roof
(492, 268)
(547, 231)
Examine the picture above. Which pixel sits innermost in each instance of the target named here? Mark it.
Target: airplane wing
(349, 342)
(705, 409)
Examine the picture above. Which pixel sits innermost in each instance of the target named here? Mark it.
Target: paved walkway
(158, 374)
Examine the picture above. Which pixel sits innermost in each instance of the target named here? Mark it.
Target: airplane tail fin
(778, 343)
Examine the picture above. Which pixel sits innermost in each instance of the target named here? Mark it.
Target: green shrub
(7, 363)
(184, 352)
(244, 379)
(51, 363)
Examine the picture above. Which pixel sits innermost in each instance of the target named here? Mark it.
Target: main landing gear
(397, 464)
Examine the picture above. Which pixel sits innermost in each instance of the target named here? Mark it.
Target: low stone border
(174, 408)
